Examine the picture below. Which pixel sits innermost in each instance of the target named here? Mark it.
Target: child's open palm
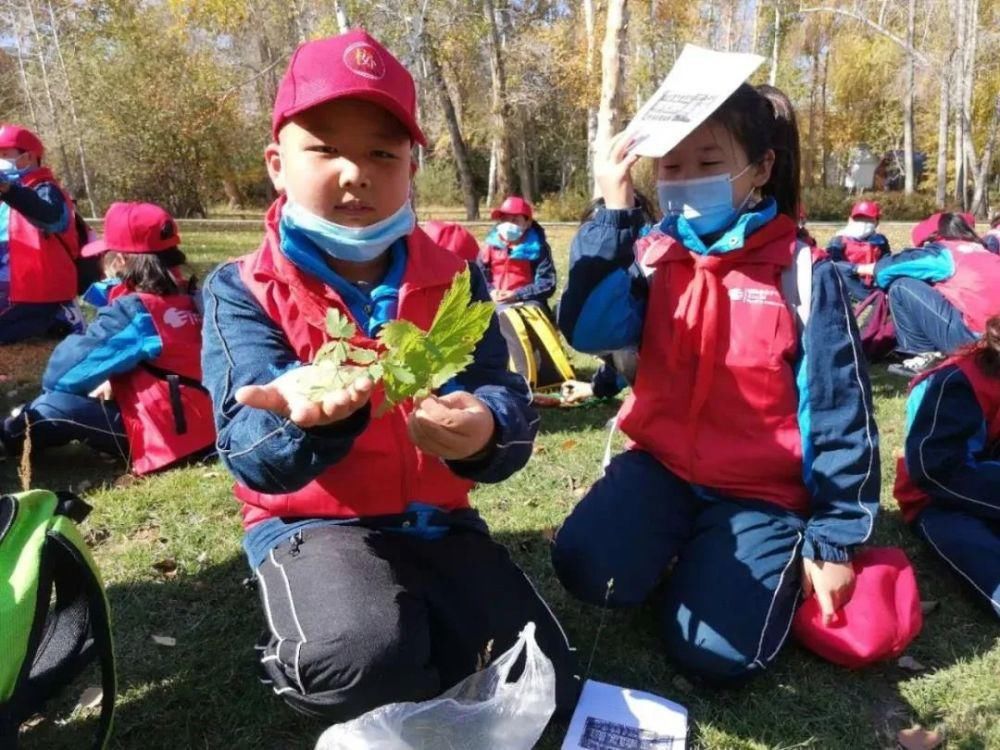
(284, 396)
(454, 427)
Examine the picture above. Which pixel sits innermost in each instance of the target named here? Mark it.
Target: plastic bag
(482, 712)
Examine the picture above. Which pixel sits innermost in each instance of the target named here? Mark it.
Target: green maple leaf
(339, 326)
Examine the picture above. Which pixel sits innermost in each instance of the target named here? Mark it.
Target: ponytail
(987, 350)
(762, 119)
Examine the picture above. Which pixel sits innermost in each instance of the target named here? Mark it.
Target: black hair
(953, 226)
(151, 272)
(986, 351)
(650, 214)
(995, 221)
(760, 119)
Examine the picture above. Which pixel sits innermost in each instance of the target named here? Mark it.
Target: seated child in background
(39, 244)
(948, 483)
(378, 581)
(942, 290)
(992, 237)
(859, 244)
(516, 258)
(131, 385)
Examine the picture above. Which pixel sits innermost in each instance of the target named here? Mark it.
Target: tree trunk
(71, 101)
(458, 148)
(500, 110)
(980, 198)
(24, 80)
(941, 191)
(612, 75)
(523, 157)
(343, 23)
(958, 79)
(776, 47)
(824, 132)
(491, 178)
(910, 182)
(53, 112)
(591, 32)
(810, 151)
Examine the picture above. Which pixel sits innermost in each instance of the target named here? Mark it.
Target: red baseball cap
(453, 236)
(929, 226)
(881, 619)
(14, 136)
(867, 210)
(135, 228)
(513, 205)
(351, 65)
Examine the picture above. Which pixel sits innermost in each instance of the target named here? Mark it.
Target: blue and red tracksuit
(526, 269)
(354, 510)
(948, 482)
(992, 240)
(38, 250)
(848, 253)
(753, 440)
(148, 347)
(941, 294)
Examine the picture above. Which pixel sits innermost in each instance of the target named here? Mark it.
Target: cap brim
(97, 247)
(380, 98)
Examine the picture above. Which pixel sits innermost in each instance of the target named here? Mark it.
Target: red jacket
(167, 414)
(42, 265)
(507, 272)
(974, 288)
(715, 399)
(384, 472)
(911, 498)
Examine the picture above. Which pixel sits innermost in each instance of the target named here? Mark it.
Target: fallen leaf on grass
(570, 444)
(90, 698)
(95, 537)
(32, 722)
(164, 640)
(202, 558)
(549, 533)
(210, 475)
(929, 606)
(918, 738)
(537, 449)
(908, 662)
(166, 568)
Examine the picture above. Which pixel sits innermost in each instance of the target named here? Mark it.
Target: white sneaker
(923, 361)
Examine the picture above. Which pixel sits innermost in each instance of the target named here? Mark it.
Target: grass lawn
(204, 693)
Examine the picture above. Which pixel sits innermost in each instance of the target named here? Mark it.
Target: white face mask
(856, 229)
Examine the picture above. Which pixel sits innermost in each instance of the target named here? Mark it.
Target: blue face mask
(706, 203)
(509, 231)
(9, 171)
(354, 244)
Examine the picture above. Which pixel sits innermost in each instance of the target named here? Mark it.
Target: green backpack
(54, 617)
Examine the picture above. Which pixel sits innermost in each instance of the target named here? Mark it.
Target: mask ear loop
(745, 203)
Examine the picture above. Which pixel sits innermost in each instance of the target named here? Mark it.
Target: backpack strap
(539, 322)
(174, 382)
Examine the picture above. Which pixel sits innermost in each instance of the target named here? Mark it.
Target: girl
(859, 244)
(753, 468)
(517, 259)
(947, 482)
(942, 290)
(992, 238)
(131, 385)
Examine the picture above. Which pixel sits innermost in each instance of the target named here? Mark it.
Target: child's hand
(501, 295)
(284, 396)
(453, 427)
(832, 582)
(613, 173)
(102, 392)
(575, 391)
(865, 269)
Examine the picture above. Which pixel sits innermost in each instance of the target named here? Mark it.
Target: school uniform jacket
(264, 316)
(740, 390)
(526, 269)
(952, 454)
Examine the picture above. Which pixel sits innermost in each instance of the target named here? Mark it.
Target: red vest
(861, 252)
(974, 289)
(384, 471)
(715, 399)
(508, 274)
(911, 498)
(167, 417)
(42, 265)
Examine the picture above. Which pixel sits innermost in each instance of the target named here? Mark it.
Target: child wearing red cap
(941, 291)
(859, 244)
(131, 386)
(378, 581)
(517, 259)
(947, 482)
(39, 244)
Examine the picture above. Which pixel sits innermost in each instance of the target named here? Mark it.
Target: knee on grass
(702, 653)
(582, 575)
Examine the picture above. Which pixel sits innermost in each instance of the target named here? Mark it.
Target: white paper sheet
(613, 718)
(699, 82)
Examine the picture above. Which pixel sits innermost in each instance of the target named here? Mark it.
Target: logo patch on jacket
(178, 318)
(756, 296)
(363, 59)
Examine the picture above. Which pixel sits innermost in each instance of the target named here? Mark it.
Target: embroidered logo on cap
(365, 60)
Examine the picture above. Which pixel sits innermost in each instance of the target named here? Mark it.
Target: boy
(859, 244)
(39, 244)
(516, 258)
(379, 582)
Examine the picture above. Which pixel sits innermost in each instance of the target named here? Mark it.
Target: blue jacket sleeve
(241, 346)
(837, 420)
(947, 454)
(836, 248)
(930, 263)
(122, 336)
(507, 396)
(544, 284)
(603, 305)
(992, 243)
(44, 206)
(882, 242)
(607, 382)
